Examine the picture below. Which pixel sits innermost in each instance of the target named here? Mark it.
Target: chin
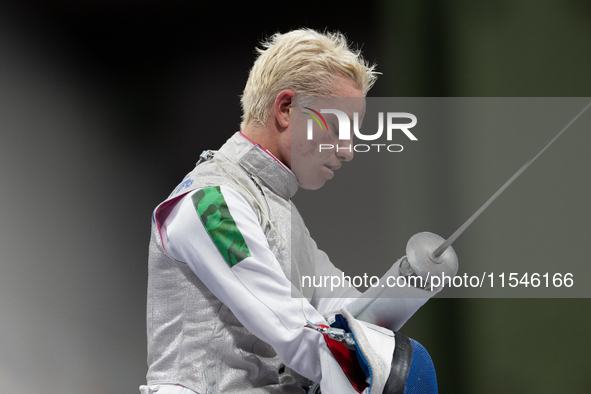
(312, 185)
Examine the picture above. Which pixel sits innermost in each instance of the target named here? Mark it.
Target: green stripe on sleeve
(220, 225)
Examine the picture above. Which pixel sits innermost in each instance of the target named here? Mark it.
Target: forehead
(346, 97)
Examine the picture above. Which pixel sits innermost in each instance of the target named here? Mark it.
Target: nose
(345, 150)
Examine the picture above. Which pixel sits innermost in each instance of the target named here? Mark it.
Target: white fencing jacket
(224, 310)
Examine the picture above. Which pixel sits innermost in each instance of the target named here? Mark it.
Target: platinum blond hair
(306, 62)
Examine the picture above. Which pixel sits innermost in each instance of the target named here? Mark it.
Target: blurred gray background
(104, 106)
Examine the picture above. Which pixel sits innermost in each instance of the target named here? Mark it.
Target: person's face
(315, 161)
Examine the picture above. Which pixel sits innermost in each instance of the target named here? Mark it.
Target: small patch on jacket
(220, 225)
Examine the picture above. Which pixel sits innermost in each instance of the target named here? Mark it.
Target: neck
(267, 137)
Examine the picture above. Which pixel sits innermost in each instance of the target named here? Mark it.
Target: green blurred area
(496, 48)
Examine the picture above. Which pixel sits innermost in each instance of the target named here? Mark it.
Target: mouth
(332, 169)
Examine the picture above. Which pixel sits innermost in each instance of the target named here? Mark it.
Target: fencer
(221, 311)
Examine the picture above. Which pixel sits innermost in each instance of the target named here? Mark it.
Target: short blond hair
(306, 62)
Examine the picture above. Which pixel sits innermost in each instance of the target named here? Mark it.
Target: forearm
(388, 304)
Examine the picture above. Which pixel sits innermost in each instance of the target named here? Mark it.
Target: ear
(282, 108)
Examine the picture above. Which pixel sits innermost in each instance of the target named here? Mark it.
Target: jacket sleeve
(388, 305)
(384, 304)
(217, 234)
(336, 291)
